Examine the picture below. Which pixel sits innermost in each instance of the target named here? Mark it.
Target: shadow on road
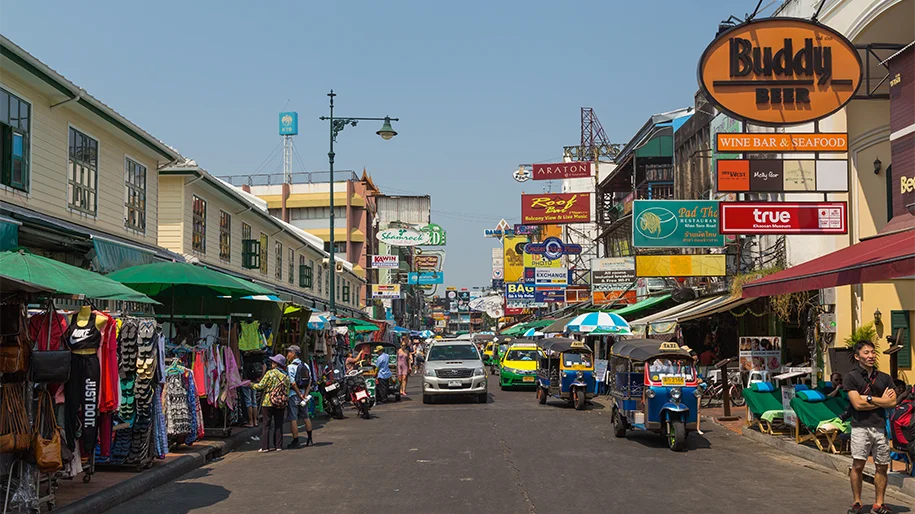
(694, 441)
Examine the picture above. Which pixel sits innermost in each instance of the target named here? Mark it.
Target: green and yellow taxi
(518, 366)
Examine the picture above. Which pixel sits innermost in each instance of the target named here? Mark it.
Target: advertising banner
(561, 170)
(289, 123)
(783, 218)
(547, 208)
(782, 175)
(612, 273)
(552, 248)
(516, 292)
(513, 265)
(608, 297)
(675, 224)
(577, 294)
(403, 237)
(502, 229)
(760, 353)
(526, 230)
(781, 142)
(549, 295)
(788, 394)
(666, 266)
(390, 291)
(426, 262)
(551, 276)
(437, 235)
(425, 278)
(385, 261)
(540, 261)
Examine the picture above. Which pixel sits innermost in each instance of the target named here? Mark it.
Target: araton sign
(403, 237)
(780, 71)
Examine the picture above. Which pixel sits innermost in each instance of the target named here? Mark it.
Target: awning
(111, 255)
(558, 325)
(881, 258)
(716, 306)
(664, 322)
(9, 234)
(641, 306)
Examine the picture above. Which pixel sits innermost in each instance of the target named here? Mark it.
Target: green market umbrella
(62, 278)
(357, 325)
(180, 279)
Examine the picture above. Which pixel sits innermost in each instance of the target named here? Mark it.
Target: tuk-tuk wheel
(676, 436)
(579, 395)
(396, 397)
(541, 395)
(619, 426)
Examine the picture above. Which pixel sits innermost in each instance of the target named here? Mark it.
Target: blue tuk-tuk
(565, 371)
(655, 387)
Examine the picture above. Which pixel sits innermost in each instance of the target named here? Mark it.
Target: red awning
(880, 258)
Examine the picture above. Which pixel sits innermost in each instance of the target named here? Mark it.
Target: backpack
(302, 376)
(279, 397)
(902, 425)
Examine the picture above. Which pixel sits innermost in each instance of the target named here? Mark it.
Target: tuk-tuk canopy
(559, 344)
(482, 338)
(644, 349)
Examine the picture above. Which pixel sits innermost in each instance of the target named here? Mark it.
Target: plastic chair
(757, 376)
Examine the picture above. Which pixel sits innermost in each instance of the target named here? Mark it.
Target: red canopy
(880, 258)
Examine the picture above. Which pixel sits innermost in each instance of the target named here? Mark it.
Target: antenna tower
(592, 135)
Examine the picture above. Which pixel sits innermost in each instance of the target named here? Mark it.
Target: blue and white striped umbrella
(533, 332)
(317, 322)
(607, 321)
(427, 334)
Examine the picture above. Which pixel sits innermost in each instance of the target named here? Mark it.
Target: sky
(480, 87)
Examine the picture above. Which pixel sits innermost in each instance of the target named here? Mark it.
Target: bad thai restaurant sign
(780, 71)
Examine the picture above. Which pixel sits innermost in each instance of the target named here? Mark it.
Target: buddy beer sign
(549, 208)
(780, 71)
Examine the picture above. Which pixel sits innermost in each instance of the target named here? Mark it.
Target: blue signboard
(550, 295)
(289, 123)
(425, 278)
(519, 292)
(498, 283)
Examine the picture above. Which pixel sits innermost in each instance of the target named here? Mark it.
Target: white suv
(454, 367)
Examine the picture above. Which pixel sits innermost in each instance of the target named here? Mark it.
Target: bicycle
(715, 391)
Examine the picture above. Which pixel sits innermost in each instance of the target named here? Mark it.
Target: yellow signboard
(539, 261)
(514, 261)
(680, 265)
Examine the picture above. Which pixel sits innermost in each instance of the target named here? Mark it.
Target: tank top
(83, 338)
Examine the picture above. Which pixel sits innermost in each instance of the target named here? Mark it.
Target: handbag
(50, 367)
(14, 354)
(14, 423)
(47, 450)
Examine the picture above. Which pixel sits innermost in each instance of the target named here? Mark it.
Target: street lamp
(336, 125)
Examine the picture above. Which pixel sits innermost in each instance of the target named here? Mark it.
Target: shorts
(867, 441)
(249, 396)
(295, 412)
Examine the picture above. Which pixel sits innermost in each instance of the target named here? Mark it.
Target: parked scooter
(358, 393)
(332, 391)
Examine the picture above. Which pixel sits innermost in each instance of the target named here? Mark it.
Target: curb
(156, 476)
(840, 463)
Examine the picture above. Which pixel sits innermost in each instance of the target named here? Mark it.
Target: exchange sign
(547, 208)
(551, 276)
(675, 224)
(385, 261)
(783, 218)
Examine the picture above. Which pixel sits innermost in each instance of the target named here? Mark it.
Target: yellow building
(212, 222)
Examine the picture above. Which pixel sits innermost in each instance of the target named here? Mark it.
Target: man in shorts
(299, 390)
(870, 393)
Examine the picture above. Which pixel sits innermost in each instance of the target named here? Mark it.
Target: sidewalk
(896, 480)
(109, 488)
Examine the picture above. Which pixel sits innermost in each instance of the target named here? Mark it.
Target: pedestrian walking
(299, 395)
(382, 363)
(403, 366)
(870, 393)
(275, 385)
(253, 371)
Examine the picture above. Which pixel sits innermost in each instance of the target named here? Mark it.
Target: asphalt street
(510, 455)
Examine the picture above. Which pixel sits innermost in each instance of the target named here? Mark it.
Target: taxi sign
(669, 347)
(577, 344)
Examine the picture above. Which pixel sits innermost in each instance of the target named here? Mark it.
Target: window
(250, 249)
(326, 283)
(15, 140)
(82, 187)
(346, 291)
(199, 225)
(339, 247)
(291, 265)
(264, 253)
(135, 191)
(278, 269)
(225, 236)
(337, 289)
(305, 272)
(320, 280)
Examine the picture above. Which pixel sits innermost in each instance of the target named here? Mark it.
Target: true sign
(783, 218)
(549, 208)
(562, 170)
(780, 71)
(385, 261)
(781, 142)
(675, 224)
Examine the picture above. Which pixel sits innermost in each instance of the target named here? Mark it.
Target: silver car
(454, 367)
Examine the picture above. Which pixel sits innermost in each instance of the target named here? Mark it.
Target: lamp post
(336, 125)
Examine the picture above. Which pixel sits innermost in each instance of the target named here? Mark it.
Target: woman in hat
(275, 385)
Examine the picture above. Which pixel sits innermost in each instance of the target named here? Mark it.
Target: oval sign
(780, 71)
(403, 237)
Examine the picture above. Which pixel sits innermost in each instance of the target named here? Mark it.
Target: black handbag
(50, 367)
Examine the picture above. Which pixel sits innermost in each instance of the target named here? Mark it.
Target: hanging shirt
(250, 338)
(39, 326)
(109, 381)
(83, 338)
(209, 334)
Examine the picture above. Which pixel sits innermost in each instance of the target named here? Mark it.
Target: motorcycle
(358, 393)
(332, 391)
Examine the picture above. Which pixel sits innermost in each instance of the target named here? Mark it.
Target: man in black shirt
(870, 393)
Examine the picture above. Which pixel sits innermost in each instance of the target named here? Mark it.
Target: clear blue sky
(480, 86)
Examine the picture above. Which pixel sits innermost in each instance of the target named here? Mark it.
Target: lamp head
(878, 317)
(387, 131)
(877, 166)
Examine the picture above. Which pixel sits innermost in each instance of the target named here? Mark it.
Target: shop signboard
(618, 297)
(425, 278)
(781, 142)
(289, 123)
(540, 261)
(577, 294)
(385, 261)
(552, 248)
(612, 273)
(527, 305)
(403, 237)
(782, 175)
(526, 230)
(513, 264)
(498, 283)
(788, 394)
(514, 311)
(426, 261)
(760, 353)
(675, 224)
(783, 218)
(780, 71)
(551, 276)
(666, 266)
(437, 235)
(517, 292)
(549, 295)
(561, 170)
(502, 229)
(548, 208)
(386, 291)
